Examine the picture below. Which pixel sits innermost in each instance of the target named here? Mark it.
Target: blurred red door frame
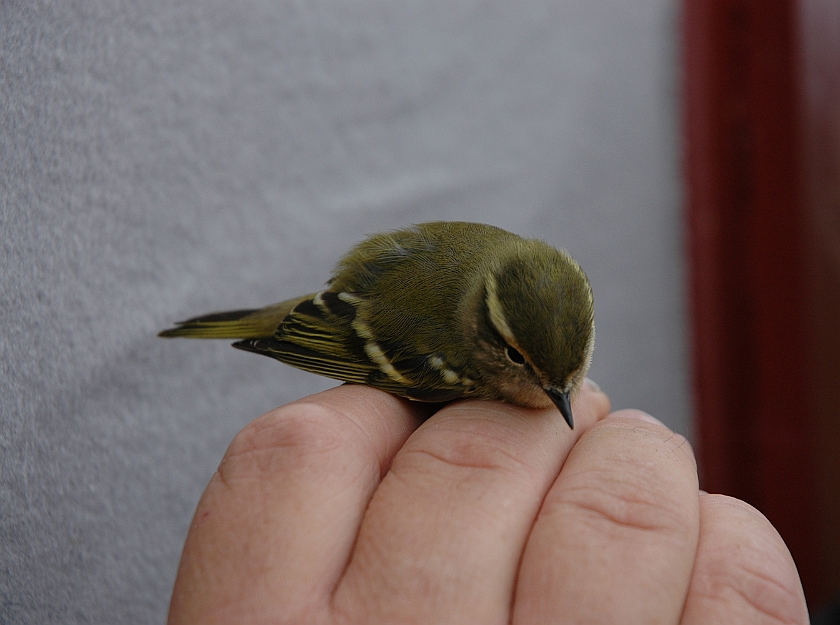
(748, 251)
(820, 25)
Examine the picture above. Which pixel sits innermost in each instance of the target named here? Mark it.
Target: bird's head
(534, 327)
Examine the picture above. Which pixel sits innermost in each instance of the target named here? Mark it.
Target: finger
(744, 572)
(277, 522)
(616, 537)
(444, 532)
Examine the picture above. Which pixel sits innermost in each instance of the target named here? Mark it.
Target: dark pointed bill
(563, 403)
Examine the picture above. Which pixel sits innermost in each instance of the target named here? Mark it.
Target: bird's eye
(515, 356)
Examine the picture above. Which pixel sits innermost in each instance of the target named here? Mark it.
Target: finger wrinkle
(379, 421)
(625, 488)
(469, 459)
(492, 448)
(743, 563)
(738, 568)
(307, 426)
(619, 509)
(365, 437)
(532, 449)
(294, 439)
(764, 594)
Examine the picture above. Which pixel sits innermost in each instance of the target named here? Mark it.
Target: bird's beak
(563, 403)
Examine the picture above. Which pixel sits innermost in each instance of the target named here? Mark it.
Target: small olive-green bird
(434, 312)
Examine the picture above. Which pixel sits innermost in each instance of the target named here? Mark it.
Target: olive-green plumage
(434, 312)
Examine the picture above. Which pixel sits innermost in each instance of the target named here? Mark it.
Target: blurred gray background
(166, 158)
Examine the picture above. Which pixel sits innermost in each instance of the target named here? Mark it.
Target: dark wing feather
(306, 359)
(319, 336)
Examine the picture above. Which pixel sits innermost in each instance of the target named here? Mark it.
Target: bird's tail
(249, 323)
(232, 324)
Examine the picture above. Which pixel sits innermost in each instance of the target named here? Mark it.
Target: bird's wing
(318, 336)
(326, 334)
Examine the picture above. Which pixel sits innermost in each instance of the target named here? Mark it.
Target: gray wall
(166, 158)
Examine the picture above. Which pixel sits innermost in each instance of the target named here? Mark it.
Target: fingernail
(592, 385)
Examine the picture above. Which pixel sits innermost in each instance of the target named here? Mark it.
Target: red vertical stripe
(746, 219)
(821, 47)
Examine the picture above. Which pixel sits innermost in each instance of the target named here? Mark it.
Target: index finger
(277, 521)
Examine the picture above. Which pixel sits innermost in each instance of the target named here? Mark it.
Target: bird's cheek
(514, 385)
(526, 394)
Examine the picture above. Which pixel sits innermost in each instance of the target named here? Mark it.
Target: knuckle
(471, 446)
(744, 565)
(283, 439)
(735, 581)
(611, 505)
(641, 476)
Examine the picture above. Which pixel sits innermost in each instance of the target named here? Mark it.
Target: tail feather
(228, 315)
(224, 325)
(249, 323)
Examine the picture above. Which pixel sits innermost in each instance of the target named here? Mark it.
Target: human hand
(338, 508)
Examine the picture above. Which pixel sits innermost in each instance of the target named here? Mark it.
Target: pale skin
(345, 507)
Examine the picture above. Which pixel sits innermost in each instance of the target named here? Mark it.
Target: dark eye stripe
(490, 331)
